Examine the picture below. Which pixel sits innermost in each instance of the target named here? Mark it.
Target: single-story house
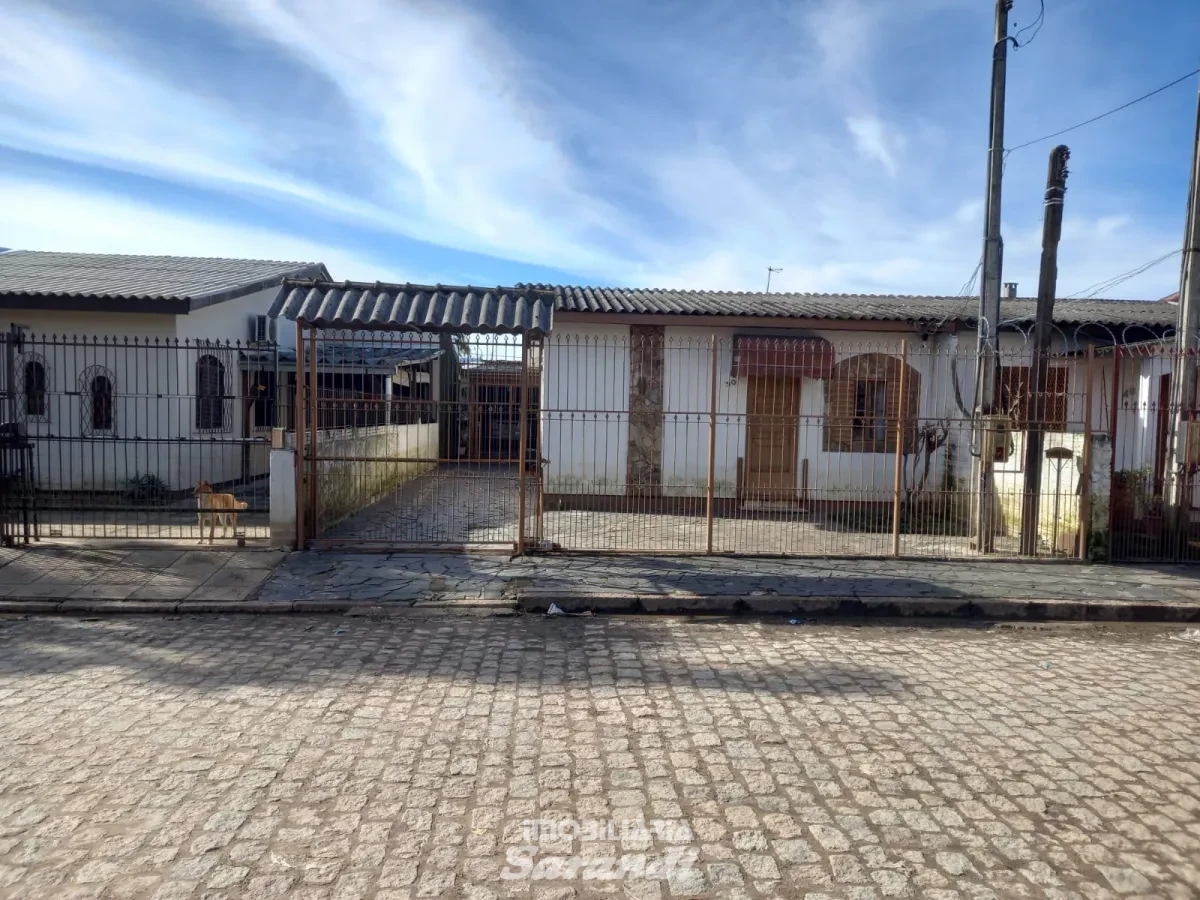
(127, 369)
(804, 384)
(795, 398)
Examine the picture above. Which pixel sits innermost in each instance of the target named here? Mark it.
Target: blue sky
(682, 143)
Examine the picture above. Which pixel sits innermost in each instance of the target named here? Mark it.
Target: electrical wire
(969, 285)
(1036, 25)
(1105, 114)
(1109, 283)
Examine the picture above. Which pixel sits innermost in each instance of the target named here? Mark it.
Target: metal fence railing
(109, 437)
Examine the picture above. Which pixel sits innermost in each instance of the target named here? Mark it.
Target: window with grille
(863, 404)
(34, 388)
(97, 400)
(870, 416)
(1016, 397)
(210, 394)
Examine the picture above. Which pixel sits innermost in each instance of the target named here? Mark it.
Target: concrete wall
(584, 418)
(283, 498)
(834, 476)
(72, 346)
(586, 379)
(154, 409)
(1010, 487)
(346, 487)
(225, 457)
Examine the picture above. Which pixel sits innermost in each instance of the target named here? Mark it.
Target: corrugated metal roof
(863, 307)
(417, 307)
(136, 283)
(352, 356)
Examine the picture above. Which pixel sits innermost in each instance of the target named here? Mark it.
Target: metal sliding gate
(412, 440)
(109, 437)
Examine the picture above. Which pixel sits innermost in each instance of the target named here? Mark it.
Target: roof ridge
(17, 251)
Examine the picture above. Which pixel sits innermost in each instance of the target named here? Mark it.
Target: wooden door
(772, 432)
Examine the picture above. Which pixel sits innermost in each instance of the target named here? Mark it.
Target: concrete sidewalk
(86, 579)
(718, 584)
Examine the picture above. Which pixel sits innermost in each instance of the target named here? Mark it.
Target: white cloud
(42, 216)
(79, 98)
(873, 141)
(755, 158)
(478, 165)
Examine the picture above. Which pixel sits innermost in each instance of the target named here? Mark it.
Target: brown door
(772, 431)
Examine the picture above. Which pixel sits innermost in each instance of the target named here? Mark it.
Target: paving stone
(389, 757)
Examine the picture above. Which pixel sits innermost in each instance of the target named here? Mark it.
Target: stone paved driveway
(319, 758)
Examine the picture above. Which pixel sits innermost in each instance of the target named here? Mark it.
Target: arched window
(210, 394)
(862, 404)
(33, 373)
(96, 389)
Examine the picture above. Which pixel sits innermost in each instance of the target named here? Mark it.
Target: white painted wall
(584, 410)
(230, 320)
(587, 371)
(687, 393)
(832, 476)
(153, 388)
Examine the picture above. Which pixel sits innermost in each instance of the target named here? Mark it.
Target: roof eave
(89, 303)
(316, 270)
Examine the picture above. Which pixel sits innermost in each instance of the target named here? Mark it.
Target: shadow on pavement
(224, 653)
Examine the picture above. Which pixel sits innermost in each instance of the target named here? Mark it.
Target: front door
(772, 431)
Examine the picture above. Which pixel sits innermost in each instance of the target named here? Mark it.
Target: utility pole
(1187, 341)
(771, 271)
(1052, 216)
(988, 365)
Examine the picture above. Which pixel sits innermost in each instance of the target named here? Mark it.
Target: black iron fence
(109, 437)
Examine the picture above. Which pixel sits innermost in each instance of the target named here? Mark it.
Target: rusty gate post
(1114, 427)
(298, 401)
(898, 475)
(315, 426)
(1085, 476)
(522, 443)
(712, 448)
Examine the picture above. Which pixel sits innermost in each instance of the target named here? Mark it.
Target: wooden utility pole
(1187, 343)
(1056, 189)
(988, 366)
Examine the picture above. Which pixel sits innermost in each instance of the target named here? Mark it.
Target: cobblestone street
(357, 758)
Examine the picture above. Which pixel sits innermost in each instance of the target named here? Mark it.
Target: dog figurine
(216, 506)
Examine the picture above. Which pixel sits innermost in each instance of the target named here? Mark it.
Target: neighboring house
(807, 390)
(806, 386)
(125, 367)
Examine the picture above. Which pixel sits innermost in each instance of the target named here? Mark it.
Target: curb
(43, 607)
(988, 608)
(1045, 610)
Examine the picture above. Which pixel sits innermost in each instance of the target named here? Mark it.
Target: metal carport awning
(411, 307)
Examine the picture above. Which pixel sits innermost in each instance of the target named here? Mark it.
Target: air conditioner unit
(262, 329)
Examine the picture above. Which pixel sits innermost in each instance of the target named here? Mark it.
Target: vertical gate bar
(1085, 477)
(298, 402)
(522, 443)
(1112, 462)
(1179, 538)
(898, 474)
(712, 447)
(315, 426)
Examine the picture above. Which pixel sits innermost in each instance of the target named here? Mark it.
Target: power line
(1036, 25)
(1105, 114)
(1109, 283)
